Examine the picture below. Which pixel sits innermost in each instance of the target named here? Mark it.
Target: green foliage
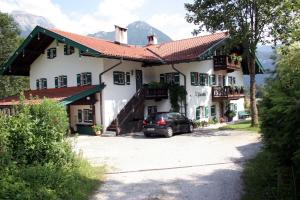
(280, 113)
(177, 93)
(260, 178)
(36, 161)
(9, 41)
(97, 128)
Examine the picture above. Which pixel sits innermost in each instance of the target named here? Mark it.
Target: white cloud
(173, 25)
(105, 15)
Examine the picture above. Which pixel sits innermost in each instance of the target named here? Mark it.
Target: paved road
(204, 165)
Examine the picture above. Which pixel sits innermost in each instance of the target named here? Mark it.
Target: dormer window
(84, 79)
(51, 53)
(68, 50)
(41, 83)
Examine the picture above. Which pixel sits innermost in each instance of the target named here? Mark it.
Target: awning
(63, 95)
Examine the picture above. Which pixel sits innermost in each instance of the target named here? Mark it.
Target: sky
(90, 16)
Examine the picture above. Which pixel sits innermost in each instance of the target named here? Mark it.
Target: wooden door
(139, 79)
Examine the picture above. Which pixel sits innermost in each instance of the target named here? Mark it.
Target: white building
(105, 82)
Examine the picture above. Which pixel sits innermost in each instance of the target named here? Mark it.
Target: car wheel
(191, 128)
(169, 132)
(147, 135)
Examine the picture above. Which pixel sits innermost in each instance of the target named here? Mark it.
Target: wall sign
(200, 94)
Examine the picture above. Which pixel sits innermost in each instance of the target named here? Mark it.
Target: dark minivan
(166, 124)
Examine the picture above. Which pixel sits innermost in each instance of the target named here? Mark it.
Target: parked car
(166, 124)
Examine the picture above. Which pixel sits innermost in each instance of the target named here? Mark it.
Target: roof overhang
(33, 46)
(209, 53)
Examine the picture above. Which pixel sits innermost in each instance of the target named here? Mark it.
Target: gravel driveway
(206, 165)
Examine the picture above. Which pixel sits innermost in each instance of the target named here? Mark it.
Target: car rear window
(154, 118)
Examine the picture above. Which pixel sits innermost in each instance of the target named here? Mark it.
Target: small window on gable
(68, 50)
(41, 83)
(51, 53)
(119, 78)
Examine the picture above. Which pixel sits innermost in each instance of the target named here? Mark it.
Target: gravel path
(206, 165)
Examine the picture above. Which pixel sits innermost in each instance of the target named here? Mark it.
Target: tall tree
(249, 22)
(9, 41)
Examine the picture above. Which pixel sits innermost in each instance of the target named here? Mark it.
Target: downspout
(100, 82)
(184, 79)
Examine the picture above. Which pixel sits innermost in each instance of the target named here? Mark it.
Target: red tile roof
(110, 48)
(56, 94)
(175, 51)
(187, 49)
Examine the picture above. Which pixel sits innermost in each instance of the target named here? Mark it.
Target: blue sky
(94, 15)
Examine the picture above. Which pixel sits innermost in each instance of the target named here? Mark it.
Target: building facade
(111, 83)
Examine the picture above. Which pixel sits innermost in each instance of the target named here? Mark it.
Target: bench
(243, 114)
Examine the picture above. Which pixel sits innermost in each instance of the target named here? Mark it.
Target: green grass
(244, 126)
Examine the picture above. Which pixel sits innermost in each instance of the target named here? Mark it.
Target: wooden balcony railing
(227, 92)
(224, 62)
(156, 93)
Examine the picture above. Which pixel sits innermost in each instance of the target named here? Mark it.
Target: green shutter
(48, 53)
(78, 79)
(89, 78)
(44, 82)
(176, 79)
(128, 78)
(37, 84)
(65, 81)
(65, 49)
(162, 78)
(193, 81)
(54, 52)
(206, 79)
(206, 112)
(56, 82)
(198, 113)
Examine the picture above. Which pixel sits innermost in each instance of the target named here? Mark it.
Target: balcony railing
(156, 93)
(227, 92)
(224, 62)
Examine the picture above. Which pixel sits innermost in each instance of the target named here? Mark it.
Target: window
(87, 116)
(41, 83)
(213, 110)
(84, 79)
(199, 79)
(68, 50)
(152, 109)
(127, 78)
(203, 79)
(61, 81)
(51, 53)
(119, 78)
(170, 78)
(212, 80)
(79, 116)
(231, 80)
(202, 112)
(232, 106)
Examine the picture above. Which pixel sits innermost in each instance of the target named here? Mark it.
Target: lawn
(244, 126)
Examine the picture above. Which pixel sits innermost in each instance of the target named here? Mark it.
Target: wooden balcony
(224, 62)
(220, 93)
(156, 93)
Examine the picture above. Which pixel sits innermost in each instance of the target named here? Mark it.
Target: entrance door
(139, 79)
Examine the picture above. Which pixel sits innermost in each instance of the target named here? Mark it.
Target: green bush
(280, 117)
(36, 161)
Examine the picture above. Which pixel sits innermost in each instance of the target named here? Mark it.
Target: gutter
(184, 78)
(100, 82)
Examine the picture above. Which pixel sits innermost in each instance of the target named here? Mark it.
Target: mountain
(27, 22)
(264, 54)
(137, 34)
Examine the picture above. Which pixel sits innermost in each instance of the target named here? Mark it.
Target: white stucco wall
(114, 96)
(69, 65)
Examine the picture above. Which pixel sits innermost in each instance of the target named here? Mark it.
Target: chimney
(152, 39)
(120, 35)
